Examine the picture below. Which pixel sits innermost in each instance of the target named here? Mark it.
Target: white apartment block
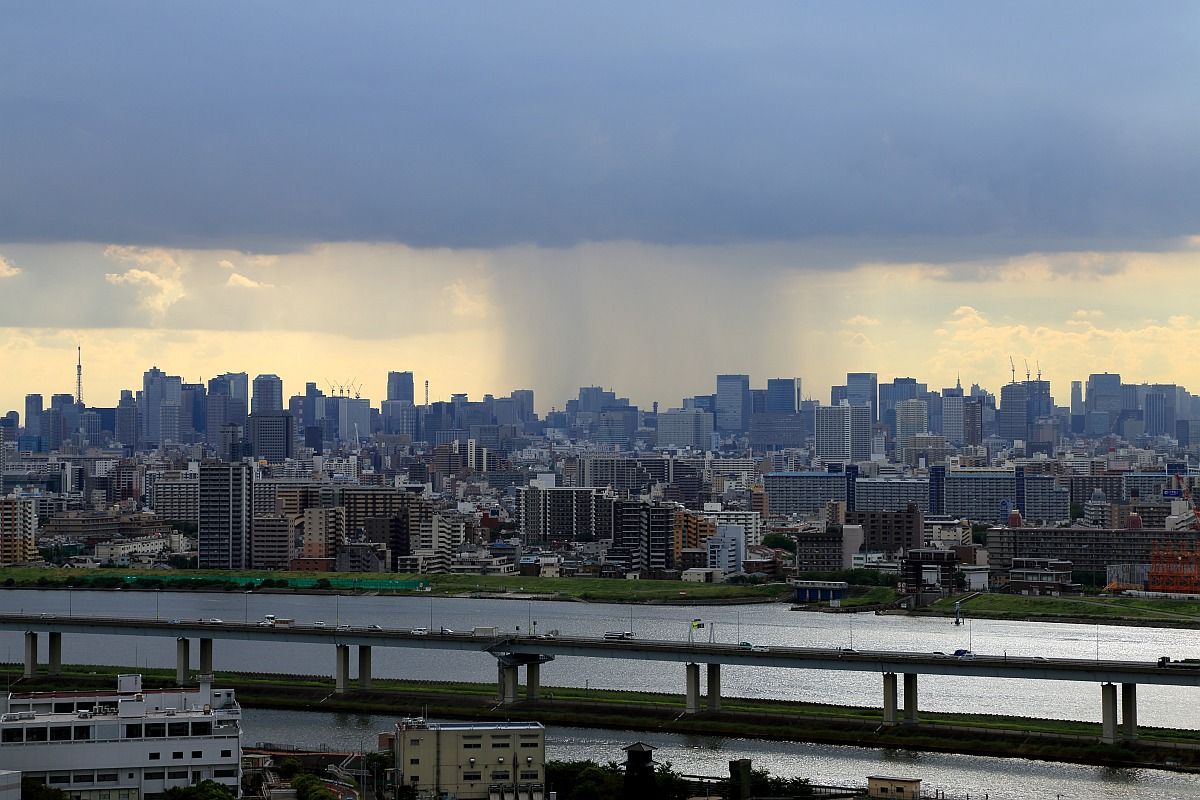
(126, 744)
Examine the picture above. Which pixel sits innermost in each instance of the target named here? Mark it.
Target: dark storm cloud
(272, 125)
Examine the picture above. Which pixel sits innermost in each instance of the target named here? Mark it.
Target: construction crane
(1027, 370)
(1038, 364)
(1012, 367)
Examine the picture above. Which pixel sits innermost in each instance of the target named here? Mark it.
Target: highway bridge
(513, 651)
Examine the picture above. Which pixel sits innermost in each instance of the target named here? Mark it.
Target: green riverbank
(598, 590)
(1092, 610)
(973, 734)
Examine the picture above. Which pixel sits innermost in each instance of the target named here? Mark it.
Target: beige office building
(466, 760)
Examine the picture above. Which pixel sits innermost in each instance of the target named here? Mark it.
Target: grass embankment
(589, 589)
(980, 734)
(1111, 610)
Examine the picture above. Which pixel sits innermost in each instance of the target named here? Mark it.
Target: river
(998, 778)
(767, 624)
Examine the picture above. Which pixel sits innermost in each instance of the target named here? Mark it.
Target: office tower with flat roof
(400, 387)
(783, 395)
(524, 400)
(734, 404)
(843, 433)
(33, 414)
(159, 390)
(972, 421)
(268, 394)
(678, 427)
(862, 389)
(952, 415)
(271, 435)
(1012, 419)
(226, 516)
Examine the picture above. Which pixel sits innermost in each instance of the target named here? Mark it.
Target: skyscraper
(158, 390)
(400, 386)
(783, 395)
(862, 389)
(733, 402)
(268, 394)
(1012, 419)
(33, 414)
(226, 516)
(271, 434)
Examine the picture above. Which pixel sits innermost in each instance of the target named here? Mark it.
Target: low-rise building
(470, 760)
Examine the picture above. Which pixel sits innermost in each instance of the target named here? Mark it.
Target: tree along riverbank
(600, 590)
(971, 734)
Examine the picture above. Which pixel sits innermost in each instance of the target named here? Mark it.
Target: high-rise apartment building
(268, 394)
(734, 404)
(912, 418)
(18, 530)
(400, 387)
(843, 433)
(226, 516)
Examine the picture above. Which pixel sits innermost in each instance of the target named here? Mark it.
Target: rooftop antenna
(78, 375)
(1013, 367)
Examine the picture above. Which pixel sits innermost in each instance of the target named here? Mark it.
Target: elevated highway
(514, 651)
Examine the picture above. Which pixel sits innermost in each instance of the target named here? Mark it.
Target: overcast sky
(547, 194)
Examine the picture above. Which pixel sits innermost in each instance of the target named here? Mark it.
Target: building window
(60, 733)
(133, 731)
(226, 754)
(178, 754)
(83, 779)
(497, 745)
(83, 733)
(177, 729)
(35, 734)
(414, 742)
(529, 744)
(414, 778)
(225, 773)
(176, 774)
(197, 754)
(201, 729)
(155, 756)
(414, 761)
(60, 778)
(500, 776)
(107, 777)
(529, 776)
(155, 775)
(472, 745)
(472, 776)
(10, 735)
(156, 730)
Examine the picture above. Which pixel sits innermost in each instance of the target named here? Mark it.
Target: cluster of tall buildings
(317, 480)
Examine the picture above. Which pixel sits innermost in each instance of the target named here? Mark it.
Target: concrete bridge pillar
(183, 659)
(1108, 713)
(54, 657)
(341, 667)
(1129, 711)
(364, 666)
(692, 702)
(910, 698)
(889, 698)
(507, 682)
(714, 687)
(533, 680)
(30, 654)
(206, 661)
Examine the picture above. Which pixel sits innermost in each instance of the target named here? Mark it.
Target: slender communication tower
(426, 391)
(78, 375)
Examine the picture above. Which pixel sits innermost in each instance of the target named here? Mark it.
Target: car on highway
(374, 627)
(963, 653)
(214, 621)
(419, 631)
(319, 623)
